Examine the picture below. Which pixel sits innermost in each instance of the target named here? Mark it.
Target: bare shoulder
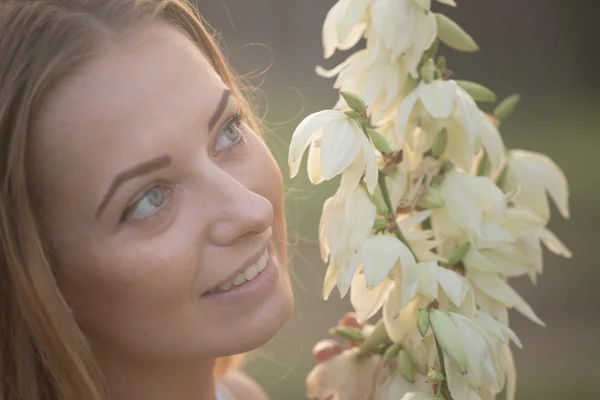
(242, 387)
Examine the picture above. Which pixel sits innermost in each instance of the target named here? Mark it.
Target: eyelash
(131, 208)
(237, 120)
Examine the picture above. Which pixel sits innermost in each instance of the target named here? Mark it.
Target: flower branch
(432, 216)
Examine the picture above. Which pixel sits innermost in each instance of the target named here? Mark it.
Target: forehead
(123, 106)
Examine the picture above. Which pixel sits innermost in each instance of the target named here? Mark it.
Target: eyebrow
(138, 170)
(220, 109)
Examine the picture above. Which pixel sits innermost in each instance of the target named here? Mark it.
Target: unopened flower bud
(449, 339)
(452, 35)
(411, 84)
(507, 107)
(477, 91)
(378, 336)
(405, 366)
(348, 333)
(423, 322)
(441, 63)
(441, 141)
(458, 253)
(379, 141)
(428, 71)
(435, 376)
(391, 353)
(380, 223)
(353, 114)
(432, 51)
(353, 101)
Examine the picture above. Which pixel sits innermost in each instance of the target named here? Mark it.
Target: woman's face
(164, 211)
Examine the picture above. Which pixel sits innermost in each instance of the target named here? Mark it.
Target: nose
(236, 211)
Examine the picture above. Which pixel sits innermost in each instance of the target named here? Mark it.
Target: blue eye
(152, 201)
(232, 135)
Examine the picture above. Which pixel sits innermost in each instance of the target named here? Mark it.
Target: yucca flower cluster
(432, 214)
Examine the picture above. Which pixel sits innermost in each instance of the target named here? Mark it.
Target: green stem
(391, 211)
(444, 384)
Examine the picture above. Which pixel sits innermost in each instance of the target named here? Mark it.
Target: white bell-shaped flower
(345, 224)
(344, 25)
(534, 177)
(403, 28)
(370, 75)
(492, 142)
(337, 145)
(474, 210)
(436, 105)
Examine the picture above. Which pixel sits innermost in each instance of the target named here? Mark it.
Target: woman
(142, 230)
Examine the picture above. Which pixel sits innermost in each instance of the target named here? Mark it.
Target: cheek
(268, 182)
(129, 290)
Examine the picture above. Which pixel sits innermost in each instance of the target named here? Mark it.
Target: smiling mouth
(245, 276)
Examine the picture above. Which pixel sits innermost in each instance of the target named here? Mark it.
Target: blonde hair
(43, 353)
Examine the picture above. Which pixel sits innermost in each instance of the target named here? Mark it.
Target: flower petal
(511, 373)
(367, 302)
(499, 290)
(371, 168)
(458, 384)
(474, 259)
(348, 267)
(537, 174)
(313, 166)
(409, 283)
(347, 29)
(493, 144)
(453, 284)
(481, 364)
(462, 207)
(438, 97)
(497, 329)
(520, 222)
(360, 215)
(399, 323)
(469, 113)
(330, 28)
(554, 244)
(310, 129)
(380, 253)
(351, 176)
(339, 146)
(403, 115)
(330, 280)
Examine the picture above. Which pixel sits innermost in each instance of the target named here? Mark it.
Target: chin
(258, 331)
(256, 327)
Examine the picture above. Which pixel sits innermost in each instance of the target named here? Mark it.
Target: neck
(158, 380)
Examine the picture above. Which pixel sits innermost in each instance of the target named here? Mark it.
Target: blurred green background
(543, 49)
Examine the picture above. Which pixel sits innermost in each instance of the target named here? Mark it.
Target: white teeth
(238, 280)
(251, 273)
(247, 275)
(262, 263)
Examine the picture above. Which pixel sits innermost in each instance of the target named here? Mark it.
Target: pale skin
(135, 266)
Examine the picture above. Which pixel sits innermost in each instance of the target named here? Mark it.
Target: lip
(257, 287)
